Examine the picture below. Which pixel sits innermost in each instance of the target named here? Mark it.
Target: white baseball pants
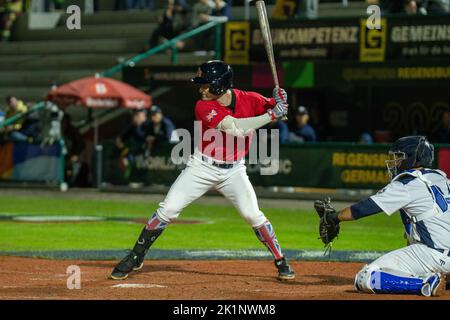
(199, 177)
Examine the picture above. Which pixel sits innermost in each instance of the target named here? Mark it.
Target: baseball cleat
(130, 263)
(433, 286)
(285, 273)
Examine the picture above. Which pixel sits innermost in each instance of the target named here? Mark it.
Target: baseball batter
(422, 196)
(229, 118)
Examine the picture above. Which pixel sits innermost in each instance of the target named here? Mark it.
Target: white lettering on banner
(320, 35)
(422, 33)
(171, 76)
(304, 52)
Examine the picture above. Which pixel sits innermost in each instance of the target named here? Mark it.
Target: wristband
(272, 114)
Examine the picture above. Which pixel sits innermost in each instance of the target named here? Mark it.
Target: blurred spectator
(283, 130)
(161, 128)
(137, 4)
(285, 9)
(434, 6)
(53, 5)
(365, 138)
(221, 8)
(135, 140)
(203, 12)
(399, 6)
(302, 131)
(14, 131)
(412, 7)
(10, 10)
(51, 118)
(31, 127)
(444, 131)
(76, 170)
(208, 10)
(308, 9)
(174, 21)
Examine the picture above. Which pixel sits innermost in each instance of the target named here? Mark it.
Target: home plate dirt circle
(40, 219)
(75, 218)
(138, 285)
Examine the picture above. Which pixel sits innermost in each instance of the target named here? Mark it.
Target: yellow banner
(373, 42)
(237, 42)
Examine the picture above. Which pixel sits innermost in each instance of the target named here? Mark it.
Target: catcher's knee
(363, 278)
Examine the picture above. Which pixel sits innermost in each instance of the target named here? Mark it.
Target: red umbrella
(97, 92)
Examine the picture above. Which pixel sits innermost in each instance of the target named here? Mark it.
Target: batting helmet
(409, 152)
(217, 74)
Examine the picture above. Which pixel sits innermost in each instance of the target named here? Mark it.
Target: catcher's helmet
(217, 74)
(409, 152)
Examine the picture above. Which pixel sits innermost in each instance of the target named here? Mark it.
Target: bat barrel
(267, 39)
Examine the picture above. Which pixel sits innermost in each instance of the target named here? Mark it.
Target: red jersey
(211, 113)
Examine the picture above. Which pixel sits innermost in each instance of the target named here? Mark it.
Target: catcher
(422, 196)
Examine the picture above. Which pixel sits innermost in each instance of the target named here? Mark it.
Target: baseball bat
(267, 39)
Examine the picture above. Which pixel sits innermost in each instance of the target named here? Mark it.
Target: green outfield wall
(319, 165)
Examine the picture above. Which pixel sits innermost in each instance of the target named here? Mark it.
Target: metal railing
(170, 44)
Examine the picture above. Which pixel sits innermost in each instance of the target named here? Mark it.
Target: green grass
(296, 229)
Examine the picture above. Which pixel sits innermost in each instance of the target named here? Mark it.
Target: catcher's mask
(408, 153)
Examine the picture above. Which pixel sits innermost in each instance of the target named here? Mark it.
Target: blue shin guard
(383, 282)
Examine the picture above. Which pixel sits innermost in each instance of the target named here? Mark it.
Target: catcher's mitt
(329, 224)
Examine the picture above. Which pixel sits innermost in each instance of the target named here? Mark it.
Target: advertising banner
(319, 165)
(30, 162)
(413, 38)
(341, 39)
(309, 39)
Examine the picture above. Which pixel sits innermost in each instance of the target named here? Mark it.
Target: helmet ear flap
(424, 152)
(216, 87)
(419, 149)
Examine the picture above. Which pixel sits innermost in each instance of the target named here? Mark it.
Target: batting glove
(279, 111)
(279, 95)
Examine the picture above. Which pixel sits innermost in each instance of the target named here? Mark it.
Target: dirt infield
(27, 278)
